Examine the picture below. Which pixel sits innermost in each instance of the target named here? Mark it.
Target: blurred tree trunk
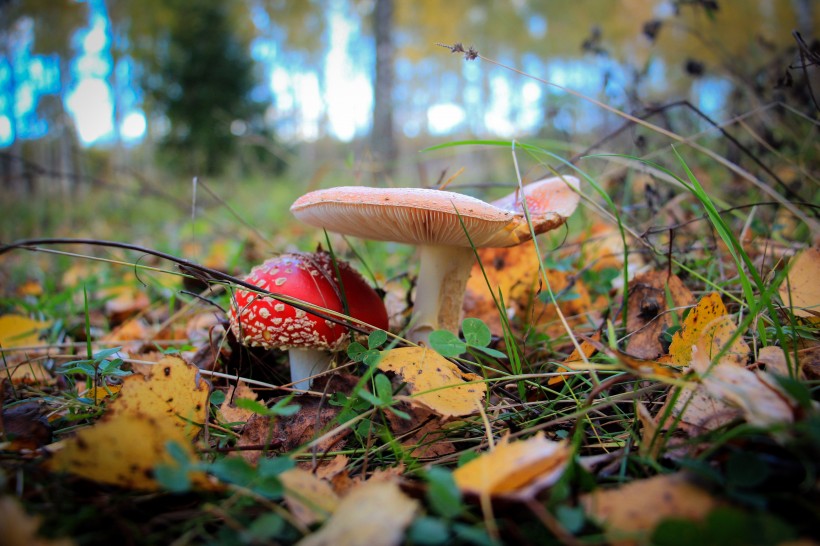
(383, 139)
(804, 11)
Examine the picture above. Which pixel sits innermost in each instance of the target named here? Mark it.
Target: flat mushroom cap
(434, 217)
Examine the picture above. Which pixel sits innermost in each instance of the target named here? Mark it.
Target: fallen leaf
(575, 357)
(20, 529)
(630, 512)
(726, 389)
(638, 366)
(25, 426)
(30, 288)
(774, 359)
(648, 315)
(123, 301)
(809, 359)
(704, 316)
(800, 290)
(24, 371)
(133, 329)
(375, 512)
(283, 434)
(309, 498)
(517, 467)
(130, 440)
(423, 434)
(232, 414)
(434, 382)
(697, 412)
(650, 445)
(761, 402)
(515, 273)
(20, 331)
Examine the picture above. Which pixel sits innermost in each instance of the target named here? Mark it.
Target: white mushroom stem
(305, 363)
(440, 290)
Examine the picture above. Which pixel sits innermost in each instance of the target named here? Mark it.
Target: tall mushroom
(436, 221)
(262, 321)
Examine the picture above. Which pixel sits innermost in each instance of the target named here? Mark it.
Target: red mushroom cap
(260, 321)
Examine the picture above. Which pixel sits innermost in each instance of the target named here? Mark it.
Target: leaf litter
(370, 481)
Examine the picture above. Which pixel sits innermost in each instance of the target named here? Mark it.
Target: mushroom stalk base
(440, 289)
(305, 363)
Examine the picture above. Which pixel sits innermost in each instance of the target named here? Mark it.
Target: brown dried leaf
(630, 512)
(24, 426)
(232, 414)
(647, 311)
(422, 433)
(285, 434)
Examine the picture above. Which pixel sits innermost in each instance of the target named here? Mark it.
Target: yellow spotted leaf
(708, 319)
(434, 382)
(125, 445)
(514, 467)
(630, 512)
(374, 512)
(800, 289)
(20, 331)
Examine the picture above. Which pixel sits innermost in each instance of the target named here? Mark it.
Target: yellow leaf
(30, 288)
(375, 512)
(575, 357)
(700, 320)
(20, 331)
(19, 529)
(434, 382)
(125, 445)
(800, 289)
(27, 372)
(726, 389)
(514, 467)
(630, 512)
(309, 498)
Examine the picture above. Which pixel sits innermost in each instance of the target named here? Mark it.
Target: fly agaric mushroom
(436, 221)
(260, 321)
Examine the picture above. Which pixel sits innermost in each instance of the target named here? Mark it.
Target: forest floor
(651, 377)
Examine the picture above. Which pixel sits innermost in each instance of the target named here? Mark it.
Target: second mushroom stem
(442, 280)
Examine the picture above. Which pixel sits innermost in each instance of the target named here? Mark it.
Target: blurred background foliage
(144, 95)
